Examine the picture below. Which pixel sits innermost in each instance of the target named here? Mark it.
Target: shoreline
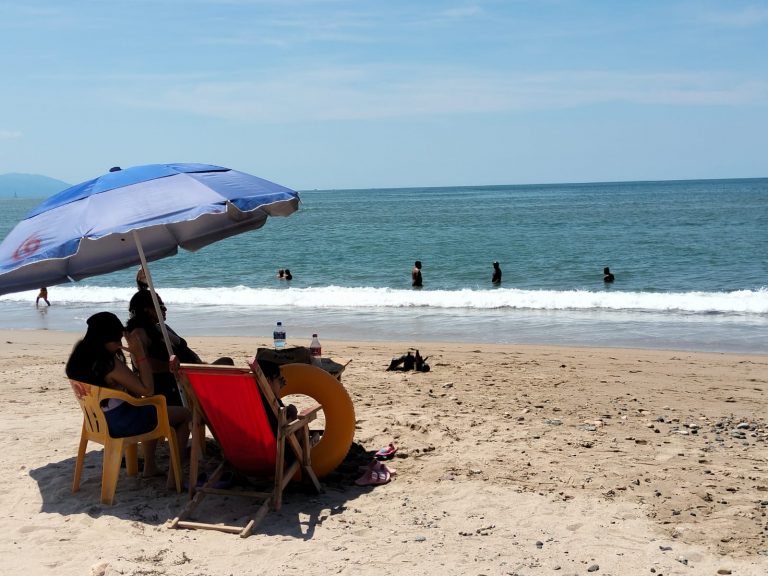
(511, 458)
(224, 340)
(652, 331)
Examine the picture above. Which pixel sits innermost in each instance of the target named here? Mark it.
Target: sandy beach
(512, 460)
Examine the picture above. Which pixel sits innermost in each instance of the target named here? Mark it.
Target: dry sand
(511, 460)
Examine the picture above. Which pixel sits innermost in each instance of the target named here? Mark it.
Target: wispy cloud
(352, 94)
(10, 135)
(298, 30)
(747, 17)
(462, 12)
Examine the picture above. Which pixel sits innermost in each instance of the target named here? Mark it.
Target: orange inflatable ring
(309, 380)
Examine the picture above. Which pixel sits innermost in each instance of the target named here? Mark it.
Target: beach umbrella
(132, 216)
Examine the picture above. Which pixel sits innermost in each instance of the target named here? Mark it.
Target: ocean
(690, 260)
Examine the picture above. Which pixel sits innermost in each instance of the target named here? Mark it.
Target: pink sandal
(386, 453)
(375, 474)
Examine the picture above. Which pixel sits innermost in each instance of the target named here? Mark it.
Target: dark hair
(417, 264)
(606, 270)
(90, 361)
(137, 310)
(104, 327)
(270, 369)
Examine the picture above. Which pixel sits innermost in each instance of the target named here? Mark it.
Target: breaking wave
(737, 302)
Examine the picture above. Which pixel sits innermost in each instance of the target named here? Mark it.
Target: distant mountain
(29, 186)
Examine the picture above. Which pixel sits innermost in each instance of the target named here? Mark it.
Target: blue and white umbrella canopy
(105, 224)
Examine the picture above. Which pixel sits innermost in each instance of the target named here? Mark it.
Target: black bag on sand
(409, 362)
(296, 355)
(269, 359)
(421, 363)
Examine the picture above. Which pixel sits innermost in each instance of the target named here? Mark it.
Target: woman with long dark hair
(144, 324)
(98, 359)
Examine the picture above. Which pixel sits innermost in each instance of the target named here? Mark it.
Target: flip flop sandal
(367, 478)
(380, 476)
(383, 468)
(386, 453)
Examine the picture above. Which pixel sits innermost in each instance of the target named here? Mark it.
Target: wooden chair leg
(201, 439)
(175, 457)
(305, 447)
(277, 497)
(198, 440)
(308, 472)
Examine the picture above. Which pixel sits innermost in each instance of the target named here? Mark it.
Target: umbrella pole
(155, 302)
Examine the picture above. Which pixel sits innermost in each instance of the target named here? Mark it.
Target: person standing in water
(496, 278)
(416, 281)
(42, 294)
(607, 276)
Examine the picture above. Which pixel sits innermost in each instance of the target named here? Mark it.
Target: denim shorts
(129, 420)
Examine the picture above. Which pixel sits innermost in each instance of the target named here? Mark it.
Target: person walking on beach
(416, 274)
(496, 278)
(44, 295)
(607, 276)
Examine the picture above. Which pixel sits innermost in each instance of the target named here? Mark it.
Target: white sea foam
(335, 297)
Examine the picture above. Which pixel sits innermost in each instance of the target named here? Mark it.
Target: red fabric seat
(234, 410)
(233, 403)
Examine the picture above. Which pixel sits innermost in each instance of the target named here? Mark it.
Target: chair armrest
(106, 393)
(309, 413)
(294, 426)
(155, 400)
(303, 419)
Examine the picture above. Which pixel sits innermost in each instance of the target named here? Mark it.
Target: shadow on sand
(146, 500)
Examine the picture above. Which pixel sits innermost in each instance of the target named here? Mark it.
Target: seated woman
(98, 359)
(144, 323)
(276, 382)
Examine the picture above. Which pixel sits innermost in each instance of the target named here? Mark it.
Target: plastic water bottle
(315, 350)
(279, 336)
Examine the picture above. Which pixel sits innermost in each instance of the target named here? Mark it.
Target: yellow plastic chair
(95, 429)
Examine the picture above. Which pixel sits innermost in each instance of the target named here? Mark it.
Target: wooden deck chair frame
(295, 434)
(95, 429)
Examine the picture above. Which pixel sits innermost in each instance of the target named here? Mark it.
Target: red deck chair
(229, 401)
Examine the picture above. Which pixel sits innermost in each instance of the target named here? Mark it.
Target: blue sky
(388, 93)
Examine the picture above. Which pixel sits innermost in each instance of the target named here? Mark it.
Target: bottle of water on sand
(315, 350)
(279, 336)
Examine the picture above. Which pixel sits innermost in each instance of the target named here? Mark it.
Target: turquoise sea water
(690, 259)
